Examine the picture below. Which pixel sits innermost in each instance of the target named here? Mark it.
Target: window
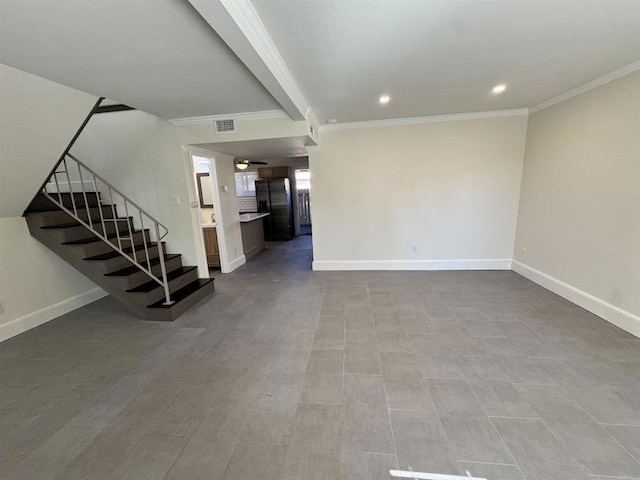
(303, 180)
(246, 184)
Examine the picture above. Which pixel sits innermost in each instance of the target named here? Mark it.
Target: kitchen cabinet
(273, 172)
(211, 246)
(252, 233)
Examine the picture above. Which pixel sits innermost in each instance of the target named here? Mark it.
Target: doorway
(303, 192)
(209, 214)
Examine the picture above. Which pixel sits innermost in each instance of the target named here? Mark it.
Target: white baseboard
(33, 319)
(236, 262)
(490, 264)
(615, 315)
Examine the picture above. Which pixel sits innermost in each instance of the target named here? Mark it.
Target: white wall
(579, 217)
(451, 188)
(38, 119)
(142, 156)
(35, 284)
(227, 215)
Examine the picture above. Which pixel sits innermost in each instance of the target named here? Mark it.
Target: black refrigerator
(274, 196)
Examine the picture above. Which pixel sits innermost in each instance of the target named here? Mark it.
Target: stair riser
(182, 307)
(98, 248)
(41, 203)
(71, 234)
(139, 278)
(119, 263)
(153, 296)
(59, 217)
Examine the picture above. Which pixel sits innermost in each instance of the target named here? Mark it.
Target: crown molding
(264, 115)
(207, 153)
(430, 119)
(609, 77)
(223, 156)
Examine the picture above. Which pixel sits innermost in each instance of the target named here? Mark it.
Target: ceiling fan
(244, 164)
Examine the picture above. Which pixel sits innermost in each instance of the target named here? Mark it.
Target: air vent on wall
(225, 126)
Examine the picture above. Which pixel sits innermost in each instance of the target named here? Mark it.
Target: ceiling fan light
(242, 165)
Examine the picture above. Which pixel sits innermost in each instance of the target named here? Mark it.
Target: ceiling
(263, 149)
(441, 57)
(159, 56)
(431, 56)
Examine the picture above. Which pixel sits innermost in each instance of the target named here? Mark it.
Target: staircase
(113, 241)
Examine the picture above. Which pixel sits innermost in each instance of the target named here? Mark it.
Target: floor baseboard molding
(338, 265)
(237, 262)
(33, 319)
(615, 315)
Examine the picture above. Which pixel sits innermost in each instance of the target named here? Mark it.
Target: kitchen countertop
(209, 225)
(250, 217)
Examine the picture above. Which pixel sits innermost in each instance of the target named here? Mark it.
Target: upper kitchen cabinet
(273, 172)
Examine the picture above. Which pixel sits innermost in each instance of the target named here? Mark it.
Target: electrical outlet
(414, 248)
(523, 250)
(175, 199)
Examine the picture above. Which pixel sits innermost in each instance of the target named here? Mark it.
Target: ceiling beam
(238, 24)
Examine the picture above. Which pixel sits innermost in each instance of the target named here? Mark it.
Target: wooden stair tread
(183, 293)
(85, 241)
(133, 269)
(151, 285)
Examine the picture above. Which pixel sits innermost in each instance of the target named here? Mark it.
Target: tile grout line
(495, 429)
(386, 401)
(594, 420)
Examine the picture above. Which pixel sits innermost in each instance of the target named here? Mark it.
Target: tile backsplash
(247, 204)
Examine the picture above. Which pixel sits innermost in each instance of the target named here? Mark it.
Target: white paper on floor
(430, 476)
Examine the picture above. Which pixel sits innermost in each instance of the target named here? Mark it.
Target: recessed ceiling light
(501, 87)
(384, 99)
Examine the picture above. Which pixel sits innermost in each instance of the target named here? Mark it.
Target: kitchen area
(251, 226)
(268, 205)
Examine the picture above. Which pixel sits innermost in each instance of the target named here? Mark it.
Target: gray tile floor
(290, 374)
